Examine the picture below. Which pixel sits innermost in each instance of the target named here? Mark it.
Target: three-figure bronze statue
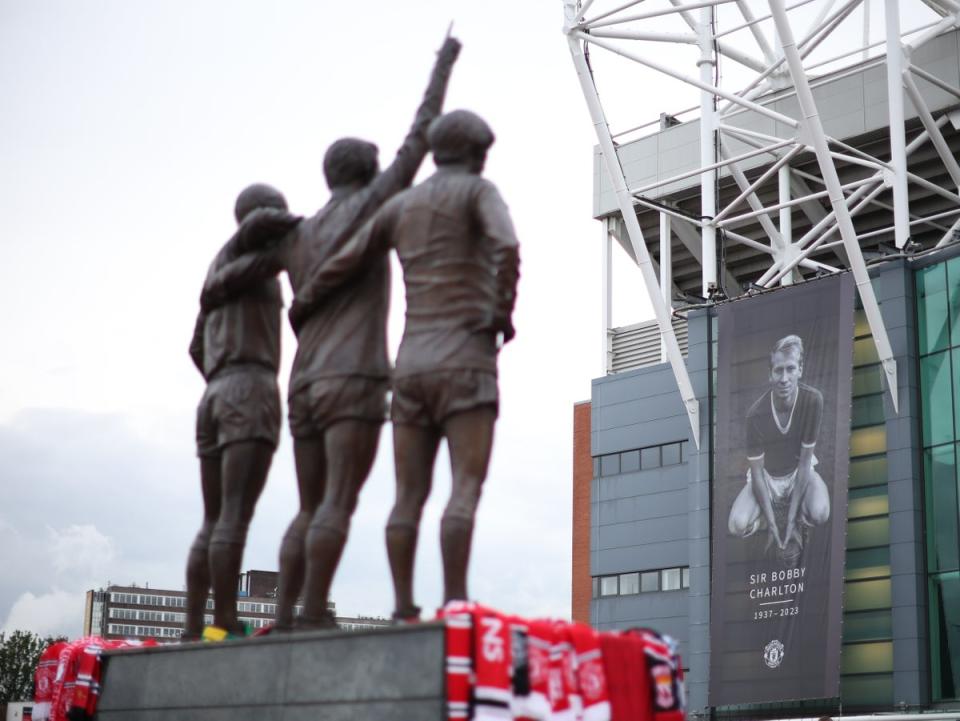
(456, 244)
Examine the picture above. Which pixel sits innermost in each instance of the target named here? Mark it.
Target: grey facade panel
(641, 483)
(650, 530)
(641, 556)
(640, 508)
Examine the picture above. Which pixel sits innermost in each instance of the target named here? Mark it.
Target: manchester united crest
(773, 654)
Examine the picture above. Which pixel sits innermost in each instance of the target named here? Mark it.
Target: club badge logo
(773, 654)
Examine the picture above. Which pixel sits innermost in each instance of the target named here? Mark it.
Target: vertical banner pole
(708, 154)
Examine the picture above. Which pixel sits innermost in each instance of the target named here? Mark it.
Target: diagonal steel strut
(812, 128)
(625, 203)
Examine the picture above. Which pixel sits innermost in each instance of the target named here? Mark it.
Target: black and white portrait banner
(784, 366)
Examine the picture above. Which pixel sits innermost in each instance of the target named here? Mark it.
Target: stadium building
(822, 161)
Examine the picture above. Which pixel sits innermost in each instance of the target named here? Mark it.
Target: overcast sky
(126, 131)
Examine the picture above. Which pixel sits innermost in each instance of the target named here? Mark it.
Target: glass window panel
(867, 380)
(596, 466)
(610, 464)
(867, 690)
(937, 394)
(868, 441)
(955, 353)
(868, 626)
(650, 581)
(868, 472)
(650, 457)
(685, 577)
(868, 532)
(670, 579)
(867, 563)
(629, 461)
(596, 587)
(945, 635)
(608, 586)
(932, 308)
(629, 583)
(868, 502)
(867, 411)
(670, 454)
(940, 472)
(861, 326)
(866, 595)
(865, 352)
(867, 657)
(953, 286)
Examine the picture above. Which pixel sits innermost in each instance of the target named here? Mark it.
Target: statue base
(393, 674)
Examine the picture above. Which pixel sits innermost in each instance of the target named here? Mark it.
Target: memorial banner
(784, 367)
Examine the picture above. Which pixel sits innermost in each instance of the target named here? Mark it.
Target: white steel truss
(762, 138)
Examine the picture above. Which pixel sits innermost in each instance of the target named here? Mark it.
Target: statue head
(460, 138)
(350, 161)
(258, 195)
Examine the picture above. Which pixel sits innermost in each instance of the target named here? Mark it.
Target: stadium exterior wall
(650, 515)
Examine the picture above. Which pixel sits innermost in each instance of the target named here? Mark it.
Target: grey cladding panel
(632, 412)
(643, 483)
(666, 554)
(650, 433)
(650, 531)
(639, 508)
(634, 385)
(666, 615)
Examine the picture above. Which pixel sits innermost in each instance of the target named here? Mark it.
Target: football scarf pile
(506, 668)
(67, 679)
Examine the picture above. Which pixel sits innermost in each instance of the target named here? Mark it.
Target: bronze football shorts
(327, 400)
(428, 399)
(240, 404)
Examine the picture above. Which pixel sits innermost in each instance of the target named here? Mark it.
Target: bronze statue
(236, 346)
(340, 372)
(460, 261)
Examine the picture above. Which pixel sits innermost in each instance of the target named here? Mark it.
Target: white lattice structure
(830, 135)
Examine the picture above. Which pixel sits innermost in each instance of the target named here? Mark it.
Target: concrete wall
(385, 675)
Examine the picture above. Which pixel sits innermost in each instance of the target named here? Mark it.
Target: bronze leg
(470, 439)
(198, 560)
(415, 449)
(244, 473)
(351, 446)
(310, 459)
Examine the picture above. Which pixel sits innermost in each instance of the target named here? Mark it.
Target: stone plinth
(394, 674)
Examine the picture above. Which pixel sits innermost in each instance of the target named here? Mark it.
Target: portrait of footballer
(784, 495)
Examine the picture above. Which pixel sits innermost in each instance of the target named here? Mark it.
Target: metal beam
(814, 128)
(898, 142)
(625, 203)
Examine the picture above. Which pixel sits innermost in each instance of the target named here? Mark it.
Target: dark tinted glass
(670, 454)
(650, 457)
(629, 461)
(610, 465)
